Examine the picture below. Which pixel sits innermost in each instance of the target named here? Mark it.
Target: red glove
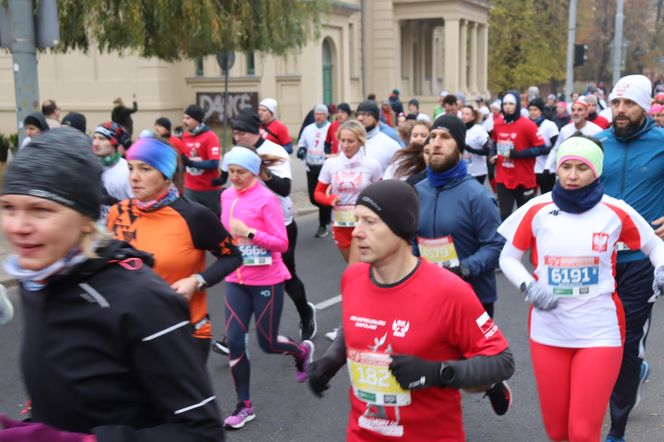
(21, 431)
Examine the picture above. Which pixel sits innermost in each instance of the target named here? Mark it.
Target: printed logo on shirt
(400, 328)
(486, 325)
(600, 242)
(215, 151)
(513, 135)
(555, 212)
(368, 323)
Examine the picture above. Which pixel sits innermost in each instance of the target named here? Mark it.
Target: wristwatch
(251, 234)
(201, 284)
(523, 287)
(446, 374)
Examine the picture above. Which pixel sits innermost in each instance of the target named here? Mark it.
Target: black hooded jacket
(108, 350)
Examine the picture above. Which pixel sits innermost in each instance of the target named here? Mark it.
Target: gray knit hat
(59, 166)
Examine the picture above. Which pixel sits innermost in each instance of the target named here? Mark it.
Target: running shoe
(243, 413)
(308, 326)
(302, 363)
(610, 438)
(643, 377)
(500, 396)
(221, 345)
(322, 232)
(332, 335)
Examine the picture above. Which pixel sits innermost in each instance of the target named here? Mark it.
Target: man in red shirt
(162, 126)
(331, 142)
(517, 143)
(271, 128)
(410, 345)
(593, 116)
(201, 156)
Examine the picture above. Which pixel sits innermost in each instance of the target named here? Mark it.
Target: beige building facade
(420, 47)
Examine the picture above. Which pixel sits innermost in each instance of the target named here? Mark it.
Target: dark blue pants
(634, 288)
(265, 304)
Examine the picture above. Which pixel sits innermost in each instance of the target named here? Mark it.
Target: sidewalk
(301, 207)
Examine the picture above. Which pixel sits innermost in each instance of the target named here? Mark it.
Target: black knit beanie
(38, 120)
(455, 126)
(75, 120)
(247, 121)
(370, 107)
(59, 166)
(396, 203)
(538, 103)
(164, 122)
(195, 112)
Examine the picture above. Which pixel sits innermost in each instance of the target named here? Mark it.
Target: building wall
(89, 83)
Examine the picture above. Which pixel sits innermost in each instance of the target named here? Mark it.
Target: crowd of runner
(110, 234)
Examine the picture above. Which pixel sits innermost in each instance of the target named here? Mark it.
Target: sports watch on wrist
(201, 284)
(251, 234)
(446, 374)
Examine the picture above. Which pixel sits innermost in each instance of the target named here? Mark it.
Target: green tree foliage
(175, 29)
(527, 43)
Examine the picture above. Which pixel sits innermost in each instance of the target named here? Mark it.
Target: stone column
(474, 61)
(463, 58)
(434, 62)
(412, 56)
(483, 56)
(451, 80)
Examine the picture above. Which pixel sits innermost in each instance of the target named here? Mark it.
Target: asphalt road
(287, 411)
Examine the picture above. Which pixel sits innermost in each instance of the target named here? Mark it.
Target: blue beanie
(243, 157)
(156, 153)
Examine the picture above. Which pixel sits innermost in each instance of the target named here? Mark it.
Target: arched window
(328, 71)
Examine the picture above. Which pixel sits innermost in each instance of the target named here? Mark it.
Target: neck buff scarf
(199, 129)
(35, 280)
(538, 121)
(354, 160)
(110, 160)
(163, 200)
(440, 179)
(577, 200)
(469, 125)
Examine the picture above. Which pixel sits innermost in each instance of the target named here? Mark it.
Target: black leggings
(265, 304)
(324, 212)
(294, 286)
(507, 198)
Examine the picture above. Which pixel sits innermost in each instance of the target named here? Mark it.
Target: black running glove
(413, 373)
(186, 161)
(321, 372)
(302, 153)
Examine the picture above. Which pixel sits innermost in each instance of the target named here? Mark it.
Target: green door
(328, 93)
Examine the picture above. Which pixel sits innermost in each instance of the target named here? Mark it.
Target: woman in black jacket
(107, 350)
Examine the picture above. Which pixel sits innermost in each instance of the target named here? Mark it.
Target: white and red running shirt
(313, 138)
(437, 322)
(347, 178)
(575, 255)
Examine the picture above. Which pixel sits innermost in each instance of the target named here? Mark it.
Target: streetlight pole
(617, 41)
(571, 38)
